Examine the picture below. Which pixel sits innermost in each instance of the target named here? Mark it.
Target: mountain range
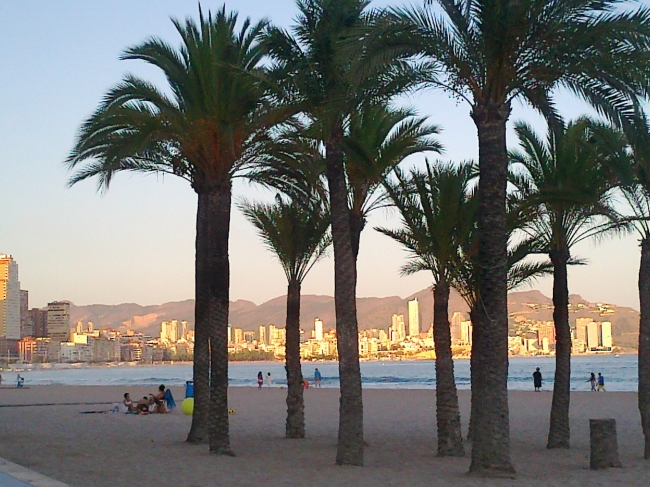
(372, 313)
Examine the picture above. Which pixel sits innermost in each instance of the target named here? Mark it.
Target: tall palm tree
(437, 213)
(315, 77)
(489, 53)
(203, 131)
(637, 194)
(521, 272)
(569, 185)
(296, 232)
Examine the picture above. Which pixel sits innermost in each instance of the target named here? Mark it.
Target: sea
(620, 374)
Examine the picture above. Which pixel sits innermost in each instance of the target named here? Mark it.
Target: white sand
(107, 450)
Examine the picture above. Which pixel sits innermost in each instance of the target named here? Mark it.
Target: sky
(135, 243)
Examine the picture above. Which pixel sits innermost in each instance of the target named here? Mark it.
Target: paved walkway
(12, 475)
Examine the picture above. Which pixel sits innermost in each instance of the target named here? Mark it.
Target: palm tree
(637, 195)
(315, 77)
(296, 232)
(489, 53)
(203, 131)
(378, 139)
(521, 272)
(568, 184)
(438, 213)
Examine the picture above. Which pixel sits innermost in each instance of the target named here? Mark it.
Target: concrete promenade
(12, 475)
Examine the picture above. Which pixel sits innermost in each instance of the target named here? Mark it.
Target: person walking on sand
(601, 383)
(268, 379)
(317, 378)
(592, 380)
(260, 380)
(537, 379)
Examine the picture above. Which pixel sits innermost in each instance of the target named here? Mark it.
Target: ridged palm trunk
(350, 438)
(450, 437)
(201, 366)
(644, 343)
(491, 437)
(215, 283)
(559, 432)
(356, 227)
(295, 400)
(474, 372)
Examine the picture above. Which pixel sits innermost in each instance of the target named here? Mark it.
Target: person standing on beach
(260, 380)
(537, 379)
(601, 383)
(592, 380)
(268, 379)
(317, 378)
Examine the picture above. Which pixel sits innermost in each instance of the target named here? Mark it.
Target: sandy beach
(106, 450)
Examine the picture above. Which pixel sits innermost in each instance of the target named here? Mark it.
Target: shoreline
(52, 366)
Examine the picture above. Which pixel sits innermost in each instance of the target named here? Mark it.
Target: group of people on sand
(597, 383)
(305, 383)
(153, 403)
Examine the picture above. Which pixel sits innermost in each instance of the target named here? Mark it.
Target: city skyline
(108, 248)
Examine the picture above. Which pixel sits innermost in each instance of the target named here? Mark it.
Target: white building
(262, 336)
(318, 329)
(169, 331)
(606, 335)
(398, 328)
(592, 336)
(414, 317)
(9, 298)
(457, 319)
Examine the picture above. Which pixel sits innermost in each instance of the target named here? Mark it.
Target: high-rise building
(239, 335)
(593, 336)
(249, 336)
(58, 320)
(466, 332)
(262, 335)
(169, 331)
(606, 335)
(184, 330)
(414, 317)
(318, 329)
(229, 333)
(456, 319)
(581, 328)
(9, 299)
(25, 329)
(38, 322)
(547, 330)
(398, 328)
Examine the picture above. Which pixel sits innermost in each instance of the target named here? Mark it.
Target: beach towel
(169, 399)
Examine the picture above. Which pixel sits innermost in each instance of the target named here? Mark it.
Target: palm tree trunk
(450, 437)
(350, 438)
(295, 400)
(644, 343)
(216, 286)
(474, 373)
(201, 366)
(356, 227)
(559, 432)
(491, 445)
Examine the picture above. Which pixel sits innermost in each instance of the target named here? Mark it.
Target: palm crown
(437, 212)
(568, 181)
(490, 52)
(203, 130)
(295, 232)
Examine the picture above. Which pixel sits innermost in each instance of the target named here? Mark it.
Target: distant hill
(372, 312)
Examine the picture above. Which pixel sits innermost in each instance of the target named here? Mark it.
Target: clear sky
(136, 242)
